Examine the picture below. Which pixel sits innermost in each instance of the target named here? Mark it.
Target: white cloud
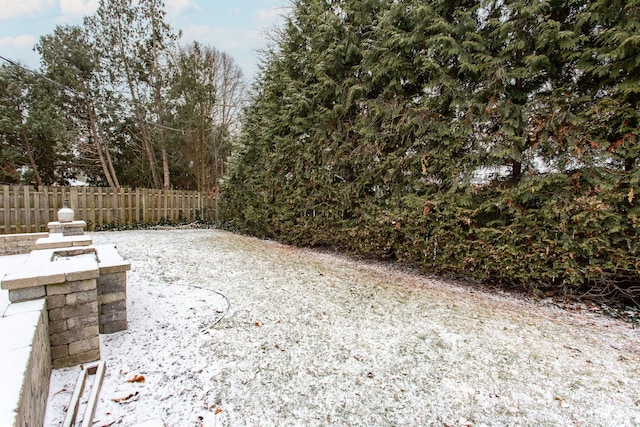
(224, 38)
(241, 44)
(26, 41)
(176, 7)
(14, 8)
(271, 15)
(78, 7)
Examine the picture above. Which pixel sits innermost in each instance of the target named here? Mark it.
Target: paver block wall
(86, 291)
(73, 228)
(73, 319)
(33, 398)
(12, 244)
(73, 322)
(79, 298)
(27, 368)
(112, 302)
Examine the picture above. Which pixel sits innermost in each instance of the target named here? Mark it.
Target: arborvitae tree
(611, 78)
(473, 138)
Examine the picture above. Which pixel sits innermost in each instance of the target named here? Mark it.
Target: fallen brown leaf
(125, 398)
(136, 379)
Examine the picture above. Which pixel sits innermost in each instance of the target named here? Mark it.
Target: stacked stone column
(73, 322)
(72, 308)
(84, 297)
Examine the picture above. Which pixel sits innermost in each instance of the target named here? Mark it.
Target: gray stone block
(57, 326)
(114, 307)
(84, 346)
(114, 282)
(59, 351)
(112, 327)
(65, 362)
(80, 309)
(56, 301)
(71, 336)
(81, 297)
(26, 294)
(113, 317)
(57, 314)
(71, 287)
(82, 321)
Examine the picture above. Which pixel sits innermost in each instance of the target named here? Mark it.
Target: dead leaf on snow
(126, 399)
(136, 379)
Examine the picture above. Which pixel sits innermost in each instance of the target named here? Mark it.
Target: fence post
(6, 207)
(35, 195)
(73, 199)
(25, 209)
(16, 209)
(145, 212)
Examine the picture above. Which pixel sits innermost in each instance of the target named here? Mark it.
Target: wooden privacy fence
(25, 209)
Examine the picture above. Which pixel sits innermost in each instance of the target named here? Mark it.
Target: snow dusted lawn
(314, 339)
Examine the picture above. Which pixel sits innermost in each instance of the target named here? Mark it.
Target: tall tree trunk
(157, 102)
(516, 171)
(147, 143)
(165, 168)
(116, 182)
(104, 156)
(107, 155)
(202, 159)
(27, 145)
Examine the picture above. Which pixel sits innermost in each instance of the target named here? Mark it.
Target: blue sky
(237, 27)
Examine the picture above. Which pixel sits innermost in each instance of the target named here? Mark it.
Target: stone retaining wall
(12, 244)
(53, 306)
(73, 323)
(85, 288)
(25, 366)
(112, 302)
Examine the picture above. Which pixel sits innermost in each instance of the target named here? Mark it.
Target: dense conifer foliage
(488, 139)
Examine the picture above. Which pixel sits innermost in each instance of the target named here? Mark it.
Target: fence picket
(27, 209)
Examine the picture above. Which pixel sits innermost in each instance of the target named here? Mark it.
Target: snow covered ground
(229, 330)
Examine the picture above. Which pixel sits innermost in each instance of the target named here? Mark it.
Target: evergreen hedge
(493, 140)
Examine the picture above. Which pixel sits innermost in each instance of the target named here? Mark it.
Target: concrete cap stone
(58, 240)
(17, 331)
(4, 301)
(26, 307)
(110, 260)
(40, 269)
(35, 277)
(55, 224)
(12, 378)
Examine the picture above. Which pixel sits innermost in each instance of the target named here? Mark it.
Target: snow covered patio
(227, 330)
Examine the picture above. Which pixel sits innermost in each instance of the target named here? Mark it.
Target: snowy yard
(312, 338)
